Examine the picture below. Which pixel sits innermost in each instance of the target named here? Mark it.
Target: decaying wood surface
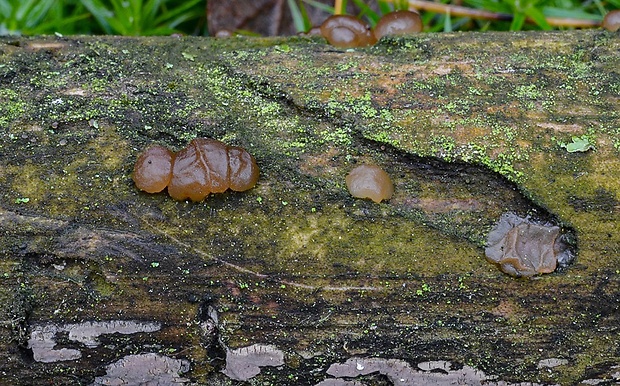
(294, 281)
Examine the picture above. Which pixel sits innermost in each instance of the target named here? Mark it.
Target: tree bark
(295, 278)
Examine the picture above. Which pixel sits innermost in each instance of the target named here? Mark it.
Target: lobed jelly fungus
(347, 31)
(205, 166)
(243, 171)
(523, 248)
(398, 23)
(370, 181)
(611, 21)
(153, 169)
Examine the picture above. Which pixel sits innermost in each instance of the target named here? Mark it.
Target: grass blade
(385, 7)
(538, 17)
(321, 6)
(372, 16)
(100, 13)
(298, 19)
(304, 13)
(570, 13)
(447, 23)
(517, 21)
(178, 11)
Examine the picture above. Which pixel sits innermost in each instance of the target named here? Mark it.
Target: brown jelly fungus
(205, 166)
(347, 31)
(611, 21)
(153, 170)
(521, 247)
(398, 23)
(370, 181)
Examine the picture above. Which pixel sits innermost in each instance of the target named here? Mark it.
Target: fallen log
(295, 281)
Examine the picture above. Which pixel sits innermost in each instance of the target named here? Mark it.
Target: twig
(337, 7)
(457, 10)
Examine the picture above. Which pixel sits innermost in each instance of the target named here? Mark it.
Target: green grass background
(165, 17)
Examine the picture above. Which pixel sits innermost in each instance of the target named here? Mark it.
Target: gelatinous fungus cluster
(205, 166)
(348, 31)
(522, 247)
(370, 181)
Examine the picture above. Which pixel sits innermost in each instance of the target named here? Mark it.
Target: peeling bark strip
(43, 338)
(295, 281)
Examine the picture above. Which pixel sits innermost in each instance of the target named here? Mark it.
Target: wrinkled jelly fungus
(347, 31)
(521, 247)
(369, 181)
(398, 23)
(205, 166)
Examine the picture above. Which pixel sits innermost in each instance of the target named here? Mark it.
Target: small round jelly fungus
(398, 23)
(153, 169)
(611, 21)
(370, 181)
(347, 32)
